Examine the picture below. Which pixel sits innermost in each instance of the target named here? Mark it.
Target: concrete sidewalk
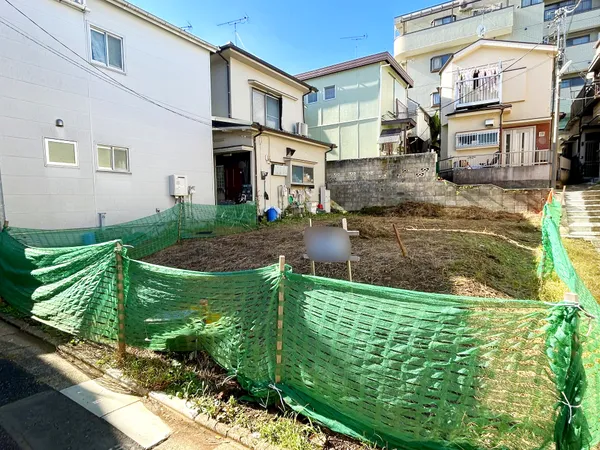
(46, 403)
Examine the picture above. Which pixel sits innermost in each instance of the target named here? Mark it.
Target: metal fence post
(120, 301)
(280, 321)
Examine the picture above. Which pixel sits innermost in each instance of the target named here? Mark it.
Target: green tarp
(405, 369)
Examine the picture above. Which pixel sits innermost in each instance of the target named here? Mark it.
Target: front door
(519, 146)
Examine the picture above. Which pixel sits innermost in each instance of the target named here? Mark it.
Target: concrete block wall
(360, 183)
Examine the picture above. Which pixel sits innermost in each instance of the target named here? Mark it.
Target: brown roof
(360, 62)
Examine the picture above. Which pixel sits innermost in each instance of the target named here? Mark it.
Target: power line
(98, 73)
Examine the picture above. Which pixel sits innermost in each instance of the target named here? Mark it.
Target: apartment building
(581, 144)
(100, 103)
(362, 106)
(425, 39)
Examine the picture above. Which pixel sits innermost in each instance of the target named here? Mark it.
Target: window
(578, 40)
(525, 3)
(570, 83)
(329, 93)
(550, 10)
(487, 138)
(437, 62)
(266, 110)
(107, 49)
(61, 153)
(115, 159)
(303, 175)
(443, 21)
(312, 98)
(436, 99)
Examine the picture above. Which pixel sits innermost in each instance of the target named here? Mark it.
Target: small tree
(435, 129)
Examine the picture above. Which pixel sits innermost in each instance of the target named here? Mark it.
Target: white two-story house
(100, 103)
(261, 144)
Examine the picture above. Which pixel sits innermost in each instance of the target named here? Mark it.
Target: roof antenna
(189, 27)
(356, 39)
(235, 24)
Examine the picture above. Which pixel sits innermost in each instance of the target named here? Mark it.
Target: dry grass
(499, 263)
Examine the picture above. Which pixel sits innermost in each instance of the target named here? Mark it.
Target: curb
(236, 433)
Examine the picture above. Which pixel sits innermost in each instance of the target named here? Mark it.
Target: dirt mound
(421, 209)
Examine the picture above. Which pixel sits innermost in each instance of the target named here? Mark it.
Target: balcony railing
(586, 97)
(401, 110)
(478, 91)
(549, 11)
(498, 159)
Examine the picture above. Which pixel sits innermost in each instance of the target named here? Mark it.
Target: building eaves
(143, 14)
(262, 62)
(292, 135)
(359, 62)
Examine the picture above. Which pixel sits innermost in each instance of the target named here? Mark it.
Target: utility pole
(560, 66)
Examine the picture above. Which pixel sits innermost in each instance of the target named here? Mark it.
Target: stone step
(584, 234)
(584, 227)
(583, 219)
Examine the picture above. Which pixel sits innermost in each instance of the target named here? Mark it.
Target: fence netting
(405, 369)
(153, 233)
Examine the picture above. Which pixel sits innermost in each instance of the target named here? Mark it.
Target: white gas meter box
(178, 185)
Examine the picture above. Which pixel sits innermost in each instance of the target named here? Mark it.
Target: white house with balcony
(426, 38)
(100, 103)
(497, 114)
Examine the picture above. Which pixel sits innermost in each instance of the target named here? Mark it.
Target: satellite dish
(481, 30)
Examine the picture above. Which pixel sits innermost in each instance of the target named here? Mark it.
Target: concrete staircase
(582, 205)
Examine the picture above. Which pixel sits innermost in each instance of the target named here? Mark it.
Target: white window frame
(106, 34)
(56, 164)
(476, 142)
(112, 150)
(334, 93)
(433, 94)
(267, 95)
(316, 98)
(292, 182)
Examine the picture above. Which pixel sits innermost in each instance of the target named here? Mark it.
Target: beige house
(261, 146)
(496, 114)
(426, 38)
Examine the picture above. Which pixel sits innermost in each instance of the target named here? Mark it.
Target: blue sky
(295, 36)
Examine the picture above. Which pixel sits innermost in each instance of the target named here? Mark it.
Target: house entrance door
(519, 146)
(591, 165)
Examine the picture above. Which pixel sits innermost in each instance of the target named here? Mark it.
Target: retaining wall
(359, 183)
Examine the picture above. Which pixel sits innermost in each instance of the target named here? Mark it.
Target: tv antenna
(189, 27)
(356, 40)
(235, 24)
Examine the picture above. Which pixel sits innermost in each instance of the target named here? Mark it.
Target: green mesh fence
(406, 369)
(150, 234)
(555, 259)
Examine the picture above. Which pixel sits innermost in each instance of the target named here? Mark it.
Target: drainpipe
(500, 133)
(260, 131)
(228, 83)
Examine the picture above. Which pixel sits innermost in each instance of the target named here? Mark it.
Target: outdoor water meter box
(178, 185)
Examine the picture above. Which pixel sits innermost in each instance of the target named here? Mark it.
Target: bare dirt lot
(463, 251)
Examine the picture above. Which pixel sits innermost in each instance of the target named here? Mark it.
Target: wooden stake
(562, 198)
(312, 263)
(400, 243)
(571, 297)
(349, 264)
(120, 301)
(179, 222)
(279, 350)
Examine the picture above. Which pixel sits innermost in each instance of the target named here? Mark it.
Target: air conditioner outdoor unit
(301, 129)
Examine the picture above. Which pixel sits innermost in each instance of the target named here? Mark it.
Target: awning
(389, 139)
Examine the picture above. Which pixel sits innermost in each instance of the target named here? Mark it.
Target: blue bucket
(89, 238)
(271, 215)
